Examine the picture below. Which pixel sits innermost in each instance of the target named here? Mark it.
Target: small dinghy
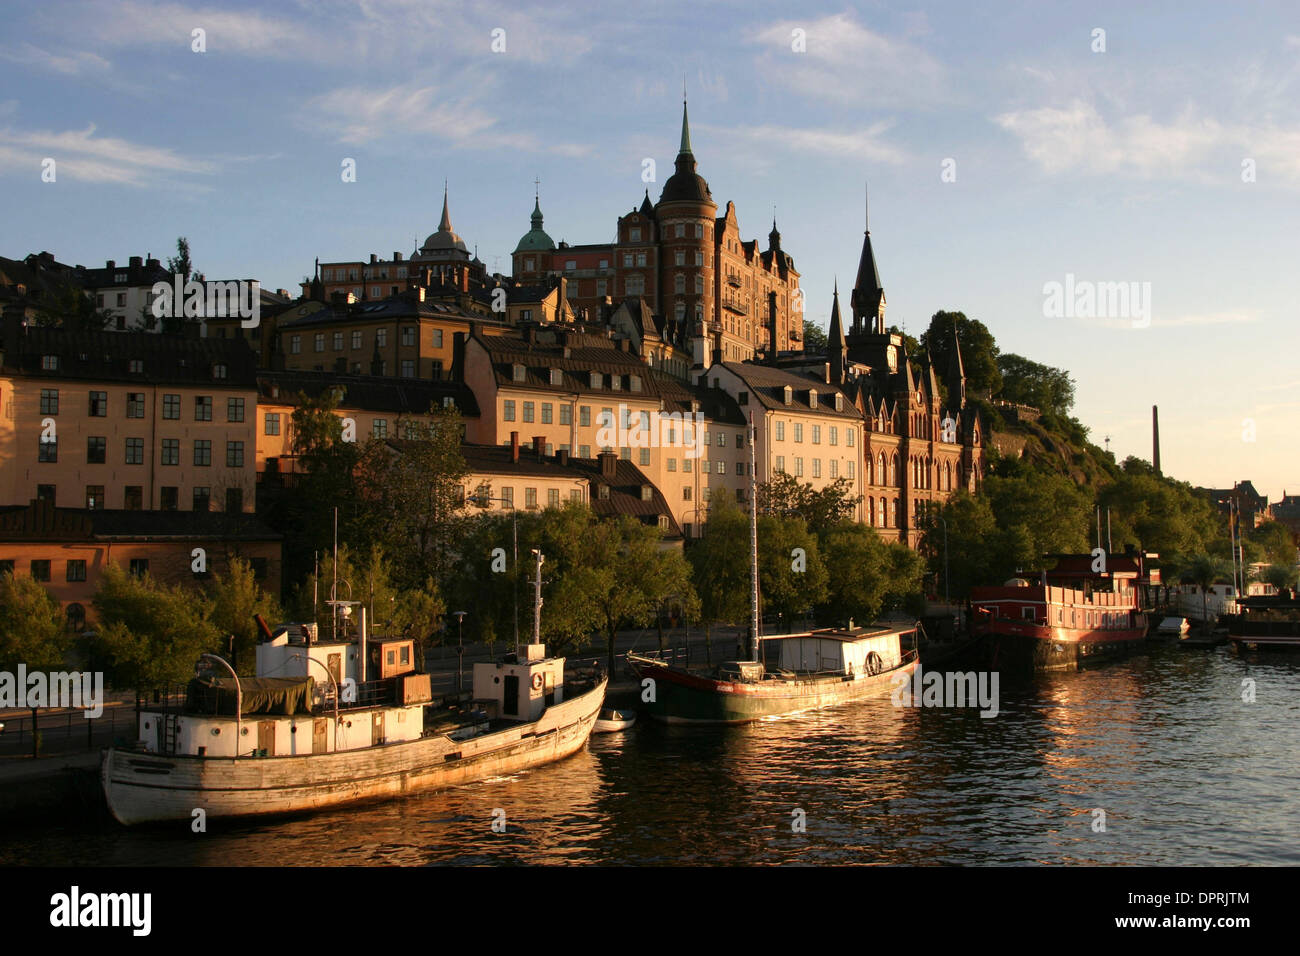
(612, 721)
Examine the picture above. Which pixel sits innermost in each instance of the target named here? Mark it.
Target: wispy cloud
(847, 62)
(71, 64)
(81, 155)
(867, 144)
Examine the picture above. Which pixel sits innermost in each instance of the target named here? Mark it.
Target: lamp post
(460, 649)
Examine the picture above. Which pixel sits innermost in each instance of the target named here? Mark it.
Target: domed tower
(686, 215)
(444, 247)
(532, 257)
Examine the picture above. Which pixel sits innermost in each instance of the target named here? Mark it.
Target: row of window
(75, 568)
(850, 470)
(832, 433)
(341, 274)
(97, 451)
(133, 497)
(135, 402)
(882, 472)
(409, 336)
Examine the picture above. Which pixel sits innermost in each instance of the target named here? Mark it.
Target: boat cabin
(519, 687)
(859, 650)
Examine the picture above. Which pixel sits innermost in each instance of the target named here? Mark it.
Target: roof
(384, 310)
(535, 239)
(41, 521)
(685, 184)
(369, 392)
(768, 386)
(106, 357)
(444, 239)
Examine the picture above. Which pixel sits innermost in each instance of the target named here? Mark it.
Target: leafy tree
(1203, 571)
(68, 306)
(1028, 383)
(236, 597)
(871, 576)
(181, 261)
(720, 564)
(821, 509)
(31, 632)
(151, 632)
(789, 583)
(1274, 542)
(979, 350)
(1280, 576)
(814, 339)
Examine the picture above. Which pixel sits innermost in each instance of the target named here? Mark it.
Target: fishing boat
(1266, 622)
(787, 673)
(285, 742)
(1085, 610)
(612, 721)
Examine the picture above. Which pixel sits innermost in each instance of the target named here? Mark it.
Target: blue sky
(1117, 166)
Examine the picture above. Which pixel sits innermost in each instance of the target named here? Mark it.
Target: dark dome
(686, 185)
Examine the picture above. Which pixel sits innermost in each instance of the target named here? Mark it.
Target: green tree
(236, 597)
(152, 633)
(1281, 576)
(1029, 383)
(871, 576)
(789, 582)
(814, 339)
(979, 350)
(1204, 570)
(720, 565)
(68, 306)
(1274, 542)
(821, 509)
(31, 633)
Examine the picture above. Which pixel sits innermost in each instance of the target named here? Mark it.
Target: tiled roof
(386, 310)
(40, 521)
(768, 386)
(368, 392)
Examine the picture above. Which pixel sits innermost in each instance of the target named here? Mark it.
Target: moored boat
(1075, 616)
(284, 743)
(612, 721)
(1266, 622)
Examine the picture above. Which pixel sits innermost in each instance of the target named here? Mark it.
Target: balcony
(733, 280)
(734, 304)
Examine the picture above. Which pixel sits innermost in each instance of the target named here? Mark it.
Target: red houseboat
(1074, 616)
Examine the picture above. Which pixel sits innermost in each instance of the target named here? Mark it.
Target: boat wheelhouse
(1266, 622)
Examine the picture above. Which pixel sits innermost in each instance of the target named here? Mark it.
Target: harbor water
(1171, 757)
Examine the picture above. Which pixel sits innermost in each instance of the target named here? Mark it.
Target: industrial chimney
(1155, 437)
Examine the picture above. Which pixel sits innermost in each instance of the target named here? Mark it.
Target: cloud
(80, 154)
(72, 64)
(867, 144)
(847, 62)
(357, 115)
(1078, 139)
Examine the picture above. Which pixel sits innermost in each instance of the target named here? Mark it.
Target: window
(202, 452)
(96, 450)
(133, 498)
(530, 498)
(584, 451)
(295, 345)
(234, 454)
(203, 408)
(699, 285)
(816, 434)
(706, 466)
(584, 418)
(528, 411)
(699, 231)
(48, 450)
(381, 338)
(636, 285)
(566, 414)
(234, 409)
(135, 404)
(408, 335)
(202, 498)
(271, 425)
(76, 570)
(135, 451)
(50, 363)
(687, 464)
(849, 467)
(547, 412)
(379, 428)
(817, 467)
(625, 453)
(780, 430)
(49, 401)
(679, 283)
(645, 456)
(139, 567)
(99, 404)
(40, 570)
(171, 451)
(553, 497)
(408, 368)
(834, 435)
(338, 341)
(437, 338)
(6, 566)
(835, 468)
(508, 410)
(508, 497)
(848, 437)
(318, 342)
(722, 467)
(780, 463)
(680, 231)
(94, 497)
(169, 498)
(45, 493)
(358, 339)
(171, 407)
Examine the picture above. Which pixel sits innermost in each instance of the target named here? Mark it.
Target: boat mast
(753, 540)
(537, 599)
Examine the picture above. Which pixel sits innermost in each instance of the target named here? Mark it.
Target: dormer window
(615, 382)
(136, 366)
(839, 402)
(218, 371)
(604, 493)
(49, 363)
(520, 373)
(812, 398)
(743, 398)
(557, 377)
(595, 380)
(634, 383)
(647, 493)
(789, 395)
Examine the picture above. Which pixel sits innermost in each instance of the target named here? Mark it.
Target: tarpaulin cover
(261, 695)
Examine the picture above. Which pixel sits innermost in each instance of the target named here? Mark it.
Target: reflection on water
(1185, 771)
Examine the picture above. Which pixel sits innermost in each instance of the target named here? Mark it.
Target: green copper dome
(536, 239)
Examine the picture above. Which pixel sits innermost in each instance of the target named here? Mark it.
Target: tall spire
(686, 127)
(445, 224)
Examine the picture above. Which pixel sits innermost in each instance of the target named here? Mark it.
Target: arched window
(871, 511)
(895, 479)
(881, 521)
(881, 473)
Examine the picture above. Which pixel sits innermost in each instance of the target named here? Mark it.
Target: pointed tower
(444, 245)
(774, 237)
(868, 299)
(837, 345)
(531, 257)
(956, 375)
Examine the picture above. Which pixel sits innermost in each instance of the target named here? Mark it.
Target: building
(67, 549)
(688, 264)
(126, 421)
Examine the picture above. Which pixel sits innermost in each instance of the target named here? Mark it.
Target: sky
(1005, 147)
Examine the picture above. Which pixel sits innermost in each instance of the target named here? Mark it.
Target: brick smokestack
(514, 446)
(1155, 437)
(539, 446)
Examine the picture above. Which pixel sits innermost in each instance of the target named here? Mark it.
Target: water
(1186, 772)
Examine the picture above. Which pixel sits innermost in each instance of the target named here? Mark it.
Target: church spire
(445, 224)
(868, 298)
(685, 146)
(837, 345)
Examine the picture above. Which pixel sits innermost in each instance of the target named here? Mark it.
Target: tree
(791, 574)
(1273, 542)
(979, 350)
(1029, 383)
(1280, 576)
(31, 633)
(68, 306)
(871, 576)
(1203, 571)
(181, 261)
(236, 597)
(814, 339)
(152, 633)
(720, 565)
(821, 509)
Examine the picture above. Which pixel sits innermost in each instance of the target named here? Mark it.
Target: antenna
(537, 188)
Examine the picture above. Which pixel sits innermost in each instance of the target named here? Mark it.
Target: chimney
(514, 446)
(562, 456)
(826, 372)
(397, 257)
(135, 262)
(110, 265)
(539, 446)
(152, 263)
(771, 326)
(608, 464)
(373, 258)
(1155, 437)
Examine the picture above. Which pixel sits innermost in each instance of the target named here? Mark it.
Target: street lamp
(460, 649)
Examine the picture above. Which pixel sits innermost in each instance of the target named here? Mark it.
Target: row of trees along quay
(411, 547)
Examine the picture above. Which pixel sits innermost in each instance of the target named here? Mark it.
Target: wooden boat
(812, 669)
(283, 743)
(1266, 622)
(1073, 617)
(612, 721)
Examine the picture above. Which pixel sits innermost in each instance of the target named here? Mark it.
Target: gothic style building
(688, 263)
